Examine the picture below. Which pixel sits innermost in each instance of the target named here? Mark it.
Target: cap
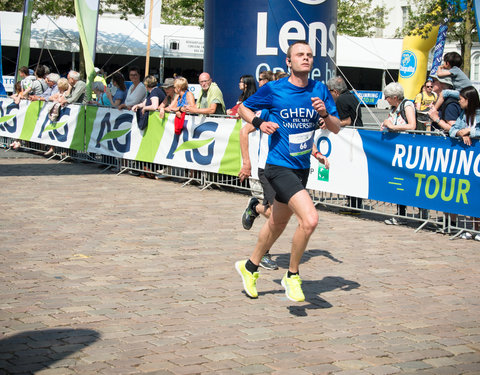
(31, 72)
(97, 70)
(168, 83)
(447, 80)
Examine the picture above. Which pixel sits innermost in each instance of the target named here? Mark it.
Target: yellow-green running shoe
(249, 279)
(293, 288)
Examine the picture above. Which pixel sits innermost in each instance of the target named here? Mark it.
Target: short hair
(47, 69)
(289, 50)
(40, 71)
(74, 75)
(267, 74)
(134, 69)
(453, 58)
(280, 74)
(150, 81)
(394, 89)
(98, 86)
(63, 84)
(337, 83)
(24, 70)
(53, 77)
(181, 83)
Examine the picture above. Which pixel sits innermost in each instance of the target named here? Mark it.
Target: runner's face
(301, 60)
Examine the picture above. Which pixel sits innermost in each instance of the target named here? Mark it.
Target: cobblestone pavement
(106, 274)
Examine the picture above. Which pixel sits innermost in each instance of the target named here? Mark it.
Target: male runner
(295, 105)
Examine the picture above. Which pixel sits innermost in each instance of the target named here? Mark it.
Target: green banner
(23, 58)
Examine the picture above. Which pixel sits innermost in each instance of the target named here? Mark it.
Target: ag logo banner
(348, 173)
(60, 132)
(112, 132)
(12, 117)
(206, 144)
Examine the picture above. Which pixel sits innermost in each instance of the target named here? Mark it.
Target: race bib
(300, 143)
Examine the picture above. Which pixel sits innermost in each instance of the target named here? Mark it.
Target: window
(405, 15)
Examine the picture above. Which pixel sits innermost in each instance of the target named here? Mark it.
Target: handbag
(142, 119)
(179, 122)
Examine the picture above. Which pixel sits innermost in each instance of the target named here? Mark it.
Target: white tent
(115, 36)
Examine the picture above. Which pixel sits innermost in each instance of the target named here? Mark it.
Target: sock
(291, 273)
(251, 267)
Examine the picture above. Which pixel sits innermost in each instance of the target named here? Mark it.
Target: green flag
(86, 12)
(23, 57)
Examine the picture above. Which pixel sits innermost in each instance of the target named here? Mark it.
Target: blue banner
(368, 97)
(250, 36)
(428, 172)
(439, 46)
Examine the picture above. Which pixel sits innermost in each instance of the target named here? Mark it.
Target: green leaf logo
(54, 126)
(6, 118)
(191, 145)
(114, 134)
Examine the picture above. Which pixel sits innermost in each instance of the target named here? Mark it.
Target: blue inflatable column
(249, 36)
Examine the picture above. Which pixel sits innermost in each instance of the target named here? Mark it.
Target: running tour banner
(437, 173)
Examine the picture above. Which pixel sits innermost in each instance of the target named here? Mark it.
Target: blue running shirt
(291, 108)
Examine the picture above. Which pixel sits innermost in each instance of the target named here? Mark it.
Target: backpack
(401, 109)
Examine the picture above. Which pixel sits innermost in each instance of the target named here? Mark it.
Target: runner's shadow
(284, 259)
(31, 351)
(312, 290)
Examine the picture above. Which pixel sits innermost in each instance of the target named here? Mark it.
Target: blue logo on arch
(408, 66)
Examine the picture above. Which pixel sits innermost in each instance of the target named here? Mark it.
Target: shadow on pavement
(284, 259)
(32, 351)
(25, 169)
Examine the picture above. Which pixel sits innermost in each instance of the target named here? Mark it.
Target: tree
(462, 26)
(183, 12)
(55, 8)
(359, 17)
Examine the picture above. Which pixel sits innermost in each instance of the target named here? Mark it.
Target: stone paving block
(131, 260)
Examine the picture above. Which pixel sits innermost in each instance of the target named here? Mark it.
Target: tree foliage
(462, 26)
(183, 12)
(359, 17)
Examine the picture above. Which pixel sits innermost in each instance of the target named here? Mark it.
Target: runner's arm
(246, 170)
(248, 115)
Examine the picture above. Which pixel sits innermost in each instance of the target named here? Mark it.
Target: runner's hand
(319, 106)
(268, 127)
(245, 172)
(324, 160)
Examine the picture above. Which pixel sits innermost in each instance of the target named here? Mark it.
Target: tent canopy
(117, 36)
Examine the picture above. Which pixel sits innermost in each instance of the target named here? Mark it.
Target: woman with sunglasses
(423, 102)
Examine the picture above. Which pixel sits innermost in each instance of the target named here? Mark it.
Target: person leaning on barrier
(449, 111)
(52, 89)
(467, 126)
(396, 121)
(136, 92)
(169, 89)
(77, 93)
(151, 103)
(210, 101)
(350, 113)
(38, 85)
(121, 90)
(101, 96)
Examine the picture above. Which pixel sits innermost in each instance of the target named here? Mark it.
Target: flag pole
(147, 62)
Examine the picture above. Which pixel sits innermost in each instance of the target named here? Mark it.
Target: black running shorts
(286, 181)
(268, 192)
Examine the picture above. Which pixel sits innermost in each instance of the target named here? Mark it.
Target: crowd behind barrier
(12, 128)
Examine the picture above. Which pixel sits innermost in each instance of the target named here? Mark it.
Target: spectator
(102, 97)
(52, 89)
(423, 102)
(64, 89)
(151, 103)
(16, 97)
(77, 91)
(265, 77)
(38, 85)
(280, 74)
(136, 92)
(350, 113)
(467, 126)
(248, 87)
(211, 99)
(449, 111)
(348, 106)
(121, 90)
(452, 62)
(400, 118)
(99, 77)
(169, 89)
(182, 98)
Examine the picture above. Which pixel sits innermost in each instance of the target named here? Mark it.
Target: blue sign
(408, 65)
(368, 97)
(428, 172)
(250, 36)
